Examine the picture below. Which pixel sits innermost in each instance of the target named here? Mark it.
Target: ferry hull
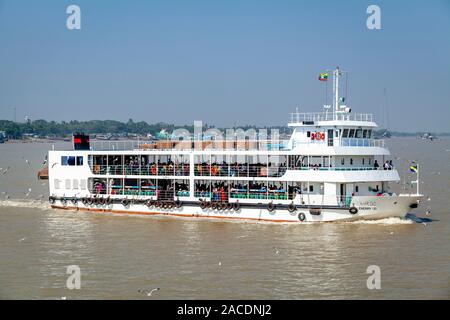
(368, 208)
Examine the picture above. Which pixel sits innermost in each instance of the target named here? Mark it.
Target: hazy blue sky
(223, 62)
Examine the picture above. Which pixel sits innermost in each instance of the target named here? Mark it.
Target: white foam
(386, 221)
(25, 203)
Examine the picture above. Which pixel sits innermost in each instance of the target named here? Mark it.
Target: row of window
(357, 133)
(71, 160)
(71, 184)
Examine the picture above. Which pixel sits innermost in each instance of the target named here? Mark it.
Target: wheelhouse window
(345, 133)
(351, 133)
(358, 133)
(365, 134)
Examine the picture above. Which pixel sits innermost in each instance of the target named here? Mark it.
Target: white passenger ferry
(330, 169)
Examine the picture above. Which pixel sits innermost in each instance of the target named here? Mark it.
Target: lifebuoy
(84, 201)
(202, 204)
(318, 136)
(108, 201)
(270, 206)
(213, 205)
(236, 206)
(322, 136)
(149, 203)
(90, 201)
(125, 202)
(229, 206)
(301, 216)
(353, 210)
(292, 207)
(51, 200)
(74, 200)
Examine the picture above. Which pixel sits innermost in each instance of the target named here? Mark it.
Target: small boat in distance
(330, 169)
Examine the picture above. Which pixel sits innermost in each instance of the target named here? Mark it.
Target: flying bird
(148, 293)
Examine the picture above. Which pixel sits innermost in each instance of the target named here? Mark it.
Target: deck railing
(216, 170)
(168, 145)
(297, 117)
(358, 142)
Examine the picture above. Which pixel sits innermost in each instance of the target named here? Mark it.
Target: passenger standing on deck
(376, 165)
(222, 194)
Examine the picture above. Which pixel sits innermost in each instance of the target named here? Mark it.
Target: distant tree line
(43, 128)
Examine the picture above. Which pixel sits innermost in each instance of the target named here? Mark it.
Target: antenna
(386, 109)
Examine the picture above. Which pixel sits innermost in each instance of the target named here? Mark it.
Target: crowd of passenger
(239, 169)
(221, 191)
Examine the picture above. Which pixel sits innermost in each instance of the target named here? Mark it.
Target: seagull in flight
(148, 293)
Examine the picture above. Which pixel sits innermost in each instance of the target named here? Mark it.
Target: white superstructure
(330, 169)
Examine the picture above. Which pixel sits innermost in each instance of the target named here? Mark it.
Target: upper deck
(331, 119)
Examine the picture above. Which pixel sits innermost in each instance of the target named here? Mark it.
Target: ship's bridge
(333, 129)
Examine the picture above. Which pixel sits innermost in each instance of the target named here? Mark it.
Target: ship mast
(336, 89)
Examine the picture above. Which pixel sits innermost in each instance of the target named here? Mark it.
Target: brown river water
(119, 255)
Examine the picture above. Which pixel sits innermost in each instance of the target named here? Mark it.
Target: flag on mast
(323, 77)
(413, 168)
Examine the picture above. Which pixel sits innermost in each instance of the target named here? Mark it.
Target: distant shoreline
(57, 131)
(44, 140)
